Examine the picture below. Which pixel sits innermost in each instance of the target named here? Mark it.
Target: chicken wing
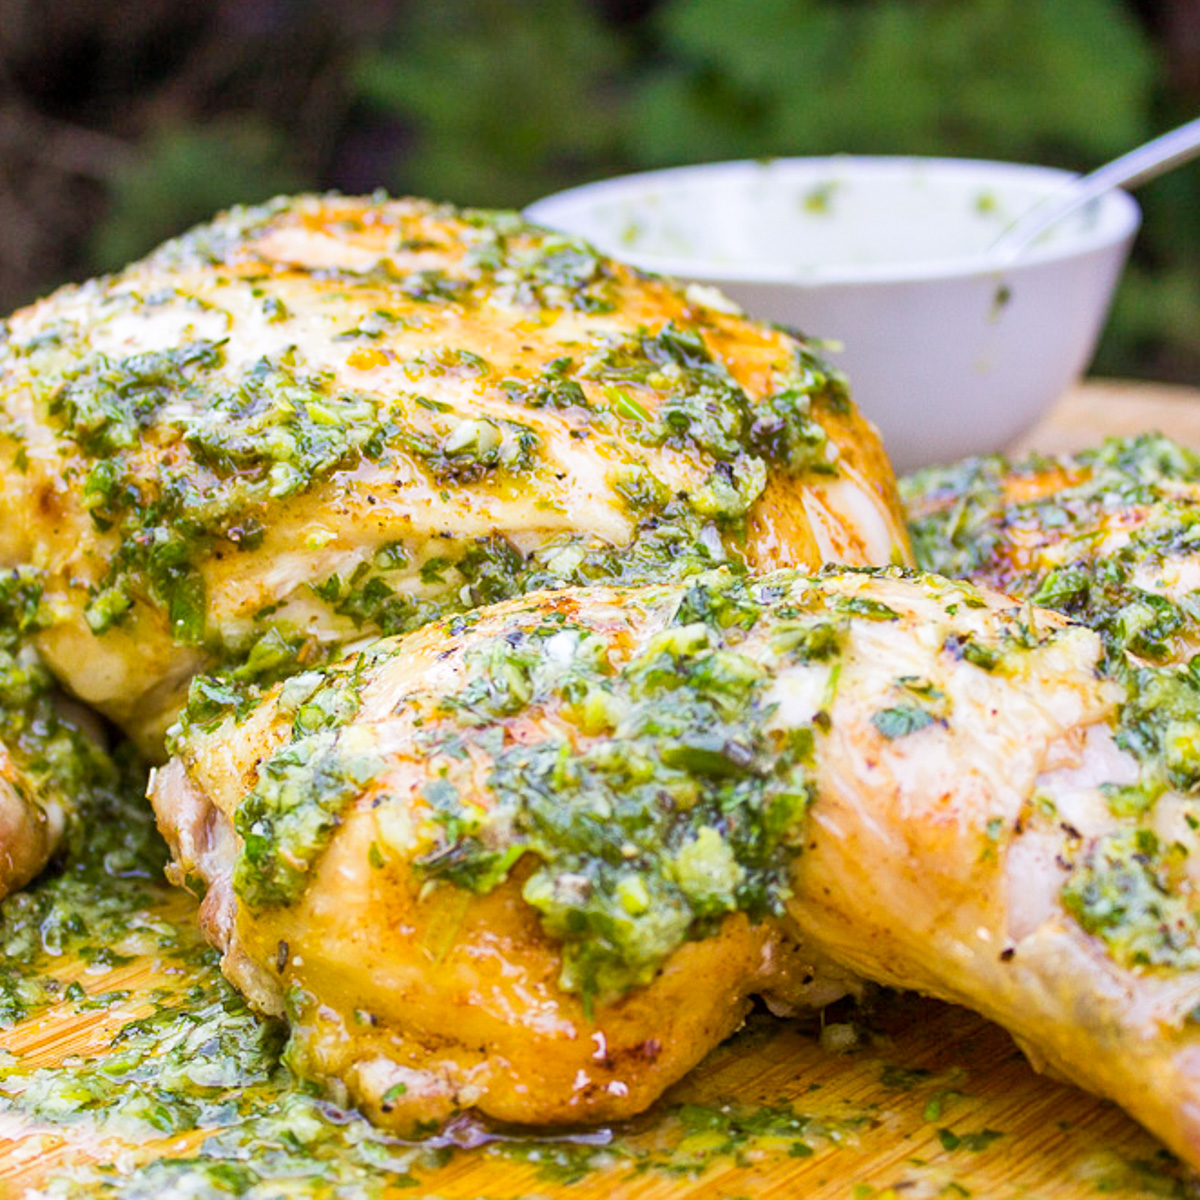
(327, 418)
(487, 865)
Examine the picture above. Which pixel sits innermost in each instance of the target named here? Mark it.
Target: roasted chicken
(1111, 537)
(447, 547)
(323, 419)
(484, 865)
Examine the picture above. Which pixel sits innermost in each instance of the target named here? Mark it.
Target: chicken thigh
(327, 418)
(534, 860)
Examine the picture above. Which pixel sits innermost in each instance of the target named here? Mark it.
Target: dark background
(124, 121)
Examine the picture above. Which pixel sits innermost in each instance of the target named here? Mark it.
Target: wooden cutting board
(1104, 408)
(933, 1101)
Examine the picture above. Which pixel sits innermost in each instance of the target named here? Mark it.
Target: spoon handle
(1146, 162)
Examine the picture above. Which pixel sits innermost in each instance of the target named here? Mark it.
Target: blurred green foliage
(1011, 79)
(184, 175)
(508, 102)
(495, 102)
(1154, 328)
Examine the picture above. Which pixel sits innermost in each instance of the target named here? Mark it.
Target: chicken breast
(328, 418)
(1110, 537)
(534, 860)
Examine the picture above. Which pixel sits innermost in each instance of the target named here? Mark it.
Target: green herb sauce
(673, 806)
(1127, 888)
(185, 454)
(970, 525)
(707, 410)
(288, 817)
(192, 1058)
(659, 796)
(667, 801)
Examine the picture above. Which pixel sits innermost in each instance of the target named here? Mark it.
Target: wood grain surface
(1104, 408)
(963, 1077)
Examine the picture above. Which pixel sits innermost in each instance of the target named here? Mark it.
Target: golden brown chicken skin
(534, 861)
(328, 418)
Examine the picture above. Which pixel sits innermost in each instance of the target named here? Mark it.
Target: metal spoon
(1146, 162)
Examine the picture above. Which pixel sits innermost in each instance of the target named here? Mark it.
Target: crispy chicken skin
(440, 861)
(328, 418)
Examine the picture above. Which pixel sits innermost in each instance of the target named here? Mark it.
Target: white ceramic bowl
(947, 350)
